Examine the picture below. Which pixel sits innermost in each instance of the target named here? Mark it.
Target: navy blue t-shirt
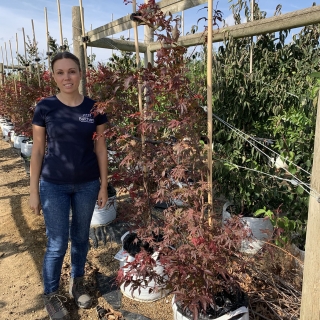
(70, 156)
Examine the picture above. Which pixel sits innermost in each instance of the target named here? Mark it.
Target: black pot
(224, 303)
(132, 244)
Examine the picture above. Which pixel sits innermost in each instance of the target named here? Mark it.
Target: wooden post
(310, 303)
(209, 106)
(77, 45)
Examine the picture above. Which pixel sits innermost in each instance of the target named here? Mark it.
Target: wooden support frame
(290, 20)
(109, 43)
(125, 23)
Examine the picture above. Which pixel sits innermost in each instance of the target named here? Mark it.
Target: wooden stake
(47, 37)
(91, 47)
(182, 23)
(209, 106)
(83, 38)
(141, 110)
(251, 47)
(3, 75)
(112, 34)
(310, 302)
(12, 65)
(25, 55)
(60, 27)
(5, 49)
(17, 57)
(36, 49)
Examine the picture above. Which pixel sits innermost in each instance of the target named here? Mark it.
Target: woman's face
(67, 75)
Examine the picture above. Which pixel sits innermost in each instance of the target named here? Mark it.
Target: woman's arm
(102, 156)
(37, 154)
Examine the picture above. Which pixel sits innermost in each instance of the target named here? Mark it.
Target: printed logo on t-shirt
(86, 118)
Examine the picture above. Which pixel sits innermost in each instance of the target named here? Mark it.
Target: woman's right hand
(34, 202)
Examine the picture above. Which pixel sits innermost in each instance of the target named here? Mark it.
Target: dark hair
(65, 55)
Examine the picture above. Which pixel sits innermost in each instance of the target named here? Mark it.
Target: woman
(66, 165)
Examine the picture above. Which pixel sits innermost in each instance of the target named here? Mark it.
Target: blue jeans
(56, 200)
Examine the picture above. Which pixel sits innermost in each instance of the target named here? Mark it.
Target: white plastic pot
(241, 312)
(261, 229)
(3, 122)
(106, 214)
(26, 148)
(11, 135)
(5, 130)
(17, 141)
(144, 295)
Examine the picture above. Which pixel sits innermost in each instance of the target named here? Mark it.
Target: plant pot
(26, 148)
(241, 313)
(17, 141)
(108, 213)
(141, 294)
(11, 137)
(5, 131)
(261, 229)
(27, 165)
(3, 123)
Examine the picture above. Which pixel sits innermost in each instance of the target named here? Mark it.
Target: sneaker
(55, 307)
(79, 293)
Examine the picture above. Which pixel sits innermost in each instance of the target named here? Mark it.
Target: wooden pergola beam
(117, 44)
(14, 67)
(125, 23)
(289, 20)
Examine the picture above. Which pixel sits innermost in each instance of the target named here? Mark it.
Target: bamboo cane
(182, 23)
(84, 43)
(62, 48)
(112, 34)
(17, 57)
(4, 77)
(141, 110)
(251, 47)
(25, 55)
(12, 66)
(3, 72)
(5, 49)
(36, 49)
(48, 53)
(209, 101)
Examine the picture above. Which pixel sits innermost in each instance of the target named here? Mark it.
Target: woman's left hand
(102, 197)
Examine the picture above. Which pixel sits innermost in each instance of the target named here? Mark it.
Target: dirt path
(22, 245)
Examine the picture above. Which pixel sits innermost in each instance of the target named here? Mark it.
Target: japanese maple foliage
(162, 160)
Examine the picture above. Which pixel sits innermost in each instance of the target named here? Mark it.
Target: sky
(16, 15)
